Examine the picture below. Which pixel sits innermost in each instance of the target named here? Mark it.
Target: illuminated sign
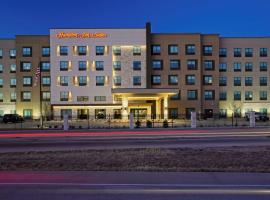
(64, 35)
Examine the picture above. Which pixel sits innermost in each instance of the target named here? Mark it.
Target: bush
(148, 124)
(165, 124)
(138, 124)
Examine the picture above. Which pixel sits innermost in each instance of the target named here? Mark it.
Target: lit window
(12, 68)
(117, 65)
(136, 51)
(46, 81)
(13, 96)
(157, 64)
(1, 82)
(207, 50)
(173, 79)
(46, 96)
(12, 53)
(173, 49)
(27, 51)
(64, 80)
(26, 96)
(25, 66)
(174, 64)
(27, 81)
(117, 80)
(208, 80)
(190, 49)
(156, 79)
(117, 50)
(64, 96)
(13, 82)
(248, 95)
(1, 68)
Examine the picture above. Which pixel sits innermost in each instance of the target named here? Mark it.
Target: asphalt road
(133, 186)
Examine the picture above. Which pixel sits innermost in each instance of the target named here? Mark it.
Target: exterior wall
(7, 106)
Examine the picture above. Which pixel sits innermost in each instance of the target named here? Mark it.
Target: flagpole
(40, 95)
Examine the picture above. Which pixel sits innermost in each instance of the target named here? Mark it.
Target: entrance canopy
(143, 92)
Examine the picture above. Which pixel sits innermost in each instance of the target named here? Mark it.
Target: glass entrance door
(139, 113)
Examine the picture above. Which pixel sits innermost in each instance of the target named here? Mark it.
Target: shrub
(165, 124)
(148, 124)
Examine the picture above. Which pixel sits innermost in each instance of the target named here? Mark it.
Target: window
(248, 95)
(248, 52)
(209, 95)
(263, 66)
(192, 94)
(117, 51)
(82, 65)
(209, 65)
(192, 64)
(248, 81)
(64, 65)
(173, 113)
(82, 80)
(223, 96)
(222, 81)
(190, 79)
(12, 53)
(136, 51)
(177, 96)
(237, 52)
(174, 64)
(117, 65)
(27, 51)
(64, 80)
(27, 81)
(157, 64)
(117, 80)
(237, 66)
(136, 80)
(1, 53)
(64, 96)
(248, 66)
(136, 65)
(99, 65)
(156, 79)
(100, 50)
(263, 52)
(13, 68)
(13, 82)
(237, 95)
(66, 112)
(25, 66)
(63, 50)
(263, 95)
(45, 51)
(207, 50)
(27, 114)
(46, 81)
(190, 49)
(100, 80)
(237, 81)
(46, 96)
(100, 98)
(155, 49)
(45, 66)
(222, 67)
(26, 96)
(263, 81)
(1, 97)
(1, 82)
(173, 79)
(207, 80)
(222, 113)
(222, 52)
(173, 49)
(13, 96)
(82, 98)
(1, 68)
(82, 50)
(100, 113)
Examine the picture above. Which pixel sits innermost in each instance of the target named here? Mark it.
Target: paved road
(133, 185)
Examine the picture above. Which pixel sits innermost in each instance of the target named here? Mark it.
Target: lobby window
(136, 80)
(222, 81)
(174, 64)
(137, 65)
(13, 82)
(27, 51)
(82, 80)
(222, 52)
(1, 98)
(207, 80)
(237, 52)
(64, 80)
(173, 80)
(222, 67)
(13, 96)
(100, 113)
(64, 96)
(248, 95)
(237, 95)
(263, 66)
(27, 113)
(177, 96)
(237, 67)
(63, 50)
(223, 96)
(209, 65)
(237, 81)
(173, 49)
(100, 80)
(46, 96)
(26, 96)
(156, 79)
(263, 95)
(46, 81)
(157, 64)
(222, 113)
(209, 95)
(25, 66)
(117, 80)
(82, 50)
(248, 66)
(100, 50)
(192, 94)
(248, 52)
(64, 65)
(207, 50)
(45, 51)
(1, 53)
(263, 52)
(190, 79)
(117, 51)
(117, 65)
(1, 68)
(12, 53)
(263, 81)
(1, 82)
(82, 98)
(27, 81)
(248, 81)
(155, 49)
(13, 68)
(137, 51)
(99, 65)
(190, 49)
(100, 98)
(82, 65)
(192, 64)
(45, 66)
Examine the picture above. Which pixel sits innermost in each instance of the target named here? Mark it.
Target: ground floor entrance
(139, 113)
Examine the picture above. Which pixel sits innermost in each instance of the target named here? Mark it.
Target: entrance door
(139, 113)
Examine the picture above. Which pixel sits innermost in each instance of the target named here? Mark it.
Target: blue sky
(226, 17)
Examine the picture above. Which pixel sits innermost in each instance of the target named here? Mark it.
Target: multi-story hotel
(101, 72)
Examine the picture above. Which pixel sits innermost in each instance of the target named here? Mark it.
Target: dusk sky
(226, 17)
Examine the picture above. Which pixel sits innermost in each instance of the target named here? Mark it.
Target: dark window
(117, 80)
(207, 50)
(248, 81)
(192, 95)
(156, 79)
(190, 49)
(263, 95)
(237, 52)
(46, 81)
(155, 49)
(99, 65)
(263, 81)
(137, 65)
(207, 80)
(82, 80)
(192, 64)
(190, 79)
(63, 65)
(117, 65)
(263, 66)
(173, 80)
(237, 95)
(177, 96)
(63, 50)
(237, 81)
(209, 95)
(82, 50)
(45, 66)
(117, 51)
(174, 64)
(100, 80)
(222, 52)
(263, 52)
(136, 80)
(25, 66)
(237, 67)
(248, 52)
(64, 96)
(248, 95)
(46, 96)
(222, 67)
(223, 96)
(222, 81)
(209, 65)
(45, 51)
(82, 65)
(157, 64)
(100, 50)
(27, 51)
(173, 49)
(248, 66)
